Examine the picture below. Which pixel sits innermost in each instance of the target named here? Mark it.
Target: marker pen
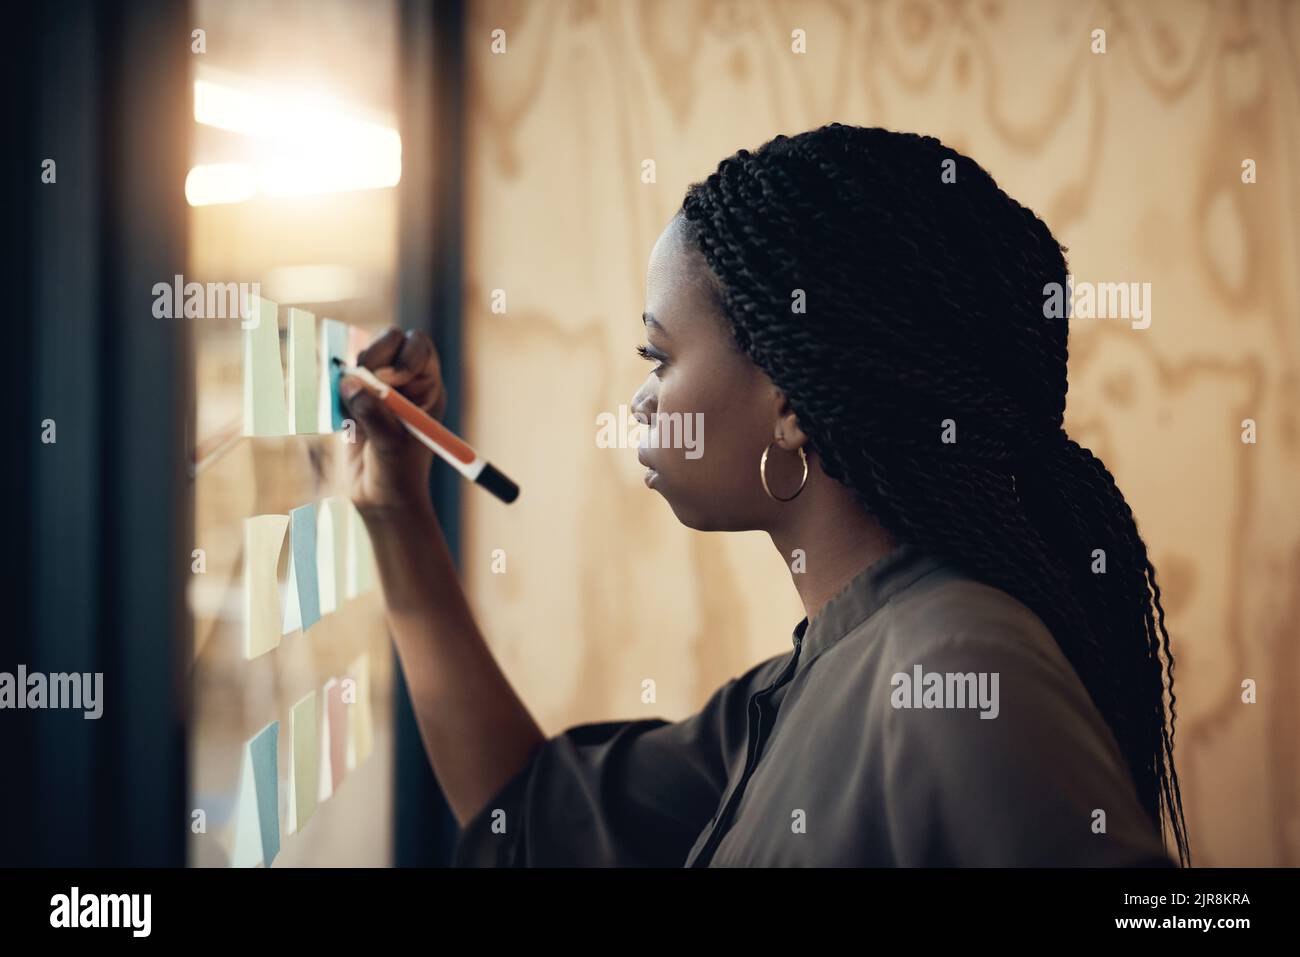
(452, 449)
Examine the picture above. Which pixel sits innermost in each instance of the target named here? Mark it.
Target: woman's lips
(650, 472)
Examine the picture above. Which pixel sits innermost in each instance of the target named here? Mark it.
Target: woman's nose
(643, 402)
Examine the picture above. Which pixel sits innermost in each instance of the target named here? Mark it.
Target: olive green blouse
(921, 719)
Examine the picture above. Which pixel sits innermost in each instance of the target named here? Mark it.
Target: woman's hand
(390, 468)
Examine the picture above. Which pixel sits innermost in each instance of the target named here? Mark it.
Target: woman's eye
(645, 352)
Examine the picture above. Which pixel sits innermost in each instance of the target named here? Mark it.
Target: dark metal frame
(429, 298)
(103, 515)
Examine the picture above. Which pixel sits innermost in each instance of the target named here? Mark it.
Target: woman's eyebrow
(649, 319)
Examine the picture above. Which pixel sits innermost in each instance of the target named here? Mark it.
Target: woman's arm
(476, 731)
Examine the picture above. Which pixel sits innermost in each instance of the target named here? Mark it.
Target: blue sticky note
(302, 538)
(334, 344)
(262, 751)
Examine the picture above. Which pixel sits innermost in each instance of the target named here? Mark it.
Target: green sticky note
(361, 735)
(264, 407)
(304, 783)
(303, 372)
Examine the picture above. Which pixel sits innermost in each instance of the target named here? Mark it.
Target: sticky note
(304, 781)
(264, 406)
(263, 539)
(338, 509)
(257, 812)
(360, 725)
(247, 850)
(333, 342)
(262, 751)
(325, 577)
(304, 371)
(333, 739)
(361, 557)
(291, 619)
(302, 563)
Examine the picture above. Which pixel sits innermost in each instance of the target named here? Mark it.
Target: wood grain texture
(1133, 158)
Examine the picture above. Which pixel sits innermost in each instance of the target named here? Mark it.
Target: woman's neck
(826, 538)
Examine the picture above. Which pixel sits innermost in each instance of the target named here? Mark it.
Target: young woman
(858, 317)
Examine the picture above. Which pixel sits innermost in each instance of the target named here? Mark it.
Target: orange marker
(450, 447)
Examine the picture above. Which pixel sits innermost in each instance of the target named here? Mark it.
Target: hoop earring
(762, 474)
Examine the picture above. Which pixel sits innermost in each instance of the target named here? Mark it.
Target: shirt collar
(858, 600)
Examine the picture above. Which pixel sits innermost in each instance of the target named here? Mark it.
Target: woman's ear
(786, 429)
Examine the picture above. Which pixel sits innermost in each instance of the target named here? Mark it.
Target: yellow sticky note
(303, 372)
(361, 735)
(303, 782)
(264, 406)
(263, 539)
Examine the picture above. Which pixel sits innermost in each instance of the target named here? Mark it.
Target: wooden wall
(1133, 157)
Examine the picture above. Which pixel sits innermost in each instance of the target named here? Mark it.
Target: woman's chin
(686, 506)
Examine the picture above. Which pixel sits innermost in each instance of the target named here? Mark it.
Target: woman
(858, 317)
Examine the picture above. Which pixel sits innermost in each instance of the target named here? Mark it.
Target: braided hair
(923, 311)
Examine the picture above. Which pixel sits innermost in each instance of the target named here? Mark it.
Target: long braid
(924, 303)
